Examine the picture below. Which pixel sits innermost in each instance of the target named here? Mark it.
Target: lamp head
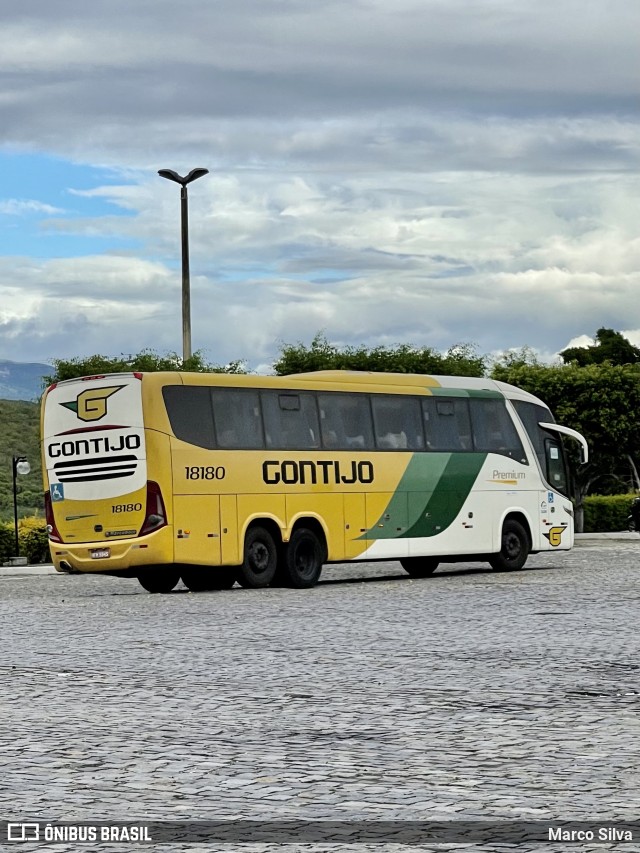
(170, 175)
(22, 465)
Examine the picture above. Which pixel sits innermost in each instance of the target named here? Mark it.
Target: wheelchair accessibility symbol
(57, 492)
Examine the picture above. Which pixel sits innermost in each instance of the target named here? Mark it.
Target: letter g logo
(554, 535)
(91, 405)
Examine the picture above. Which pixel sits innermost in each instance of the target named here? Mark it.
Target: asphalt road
(472, 696)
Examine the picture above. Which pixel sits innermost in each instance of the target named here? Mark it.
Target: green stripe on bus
(429, 496)
(486, 393)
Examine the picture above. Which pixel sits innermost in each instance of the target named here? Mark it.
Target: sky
(431, 172)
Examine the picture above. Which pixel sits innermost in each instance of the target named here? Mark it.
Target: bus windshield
(547, 445)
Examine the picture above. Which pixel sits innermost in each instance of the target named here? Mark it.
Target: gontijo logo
(554, 535)
(91, 405)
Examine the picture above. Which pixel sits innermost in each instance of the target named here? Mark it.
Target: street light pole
(186, 278)
(19, 466)
(184, 231)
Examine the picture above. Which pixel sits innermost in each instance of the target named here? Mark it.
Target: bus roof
(371, 381)
(420, 380)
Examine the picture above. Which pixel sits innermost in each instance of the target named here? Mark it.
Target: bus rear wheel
(303, 560)
(204, 579)
(420, 567)
(160, 579)
(260, 559)
(514, 550)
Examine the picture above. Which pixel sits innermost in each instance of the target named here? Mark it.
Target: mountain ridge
(21, 380)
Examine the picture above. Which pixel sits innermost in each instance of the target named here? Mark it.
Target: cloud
(25, 207)
(386, 170)
(79, 76)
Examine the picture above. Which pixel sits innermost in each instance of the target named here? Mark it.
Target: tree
(460, 360)
(609, 346)
(599, 400)
(145, 361)
(513, 358)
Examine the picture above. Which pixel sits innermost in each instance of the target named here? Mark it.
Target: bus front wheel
(260, 559)
(419, 567)
(514, 549)
(303, 560)
(159, 579)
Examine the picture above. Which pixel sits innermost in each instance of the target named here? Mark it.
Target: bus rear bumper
(114, 557)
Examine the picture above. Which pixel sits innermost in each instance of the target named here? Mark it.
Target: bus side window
(190, 415)
(290, 420)
(397, 422)
(345, 421)
(493, 429)
(556, 470)
(237, 418)
(446, 423)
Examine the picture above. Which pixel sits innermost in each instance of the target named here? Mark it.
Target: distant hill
(22, 381)
(19, 436)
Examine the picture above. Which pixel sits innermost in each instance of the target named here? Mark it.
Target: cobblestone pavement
(471, 695)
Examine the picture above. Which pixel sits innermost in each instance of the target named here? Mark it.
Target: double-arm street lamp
(184, 228)
(20, 466)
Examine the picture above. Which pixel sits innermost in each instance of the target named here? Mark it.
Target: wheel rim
(259, 557)
(305, 559)
(512, 546)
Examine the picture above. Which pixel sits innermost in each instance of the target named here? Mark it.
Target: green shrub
(32, 539)
(34, 544)
(606, 513)
(7, 542)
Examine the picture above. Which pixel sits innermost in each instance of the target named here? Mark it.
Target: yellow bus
(214, 479)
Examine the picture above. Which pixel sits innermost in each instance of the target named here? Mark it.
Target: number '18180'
(201, 472)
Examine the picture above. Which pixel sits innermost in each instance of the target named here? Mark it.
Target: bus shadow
(479, 570)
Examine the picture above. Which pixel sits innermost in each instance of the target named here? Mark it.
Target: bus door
(197, 529)
(556, 524)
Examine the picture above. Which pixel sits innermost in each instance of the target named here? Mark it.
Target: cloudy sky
(385, 171)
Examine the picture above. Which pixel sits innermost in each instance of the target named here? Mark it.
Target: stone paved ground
(470, 695)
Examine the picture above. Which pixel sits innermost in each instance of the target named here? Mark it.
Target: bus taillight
(156, 516)
(52, 530)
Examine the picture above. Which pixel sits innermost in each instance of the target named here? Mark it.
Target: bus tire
(260, 559)
(203, 579)
(160, 579)
(420, 567)
(303, 559)
(515, 548)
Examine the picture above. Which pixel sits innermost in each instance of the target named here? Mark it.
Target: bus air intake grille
(102, 468)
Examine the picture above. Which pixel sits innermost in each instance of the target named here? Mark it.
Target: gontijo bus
(214, 478)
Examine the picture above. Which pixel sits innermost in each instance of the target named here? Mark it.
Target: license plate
(100, 553)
